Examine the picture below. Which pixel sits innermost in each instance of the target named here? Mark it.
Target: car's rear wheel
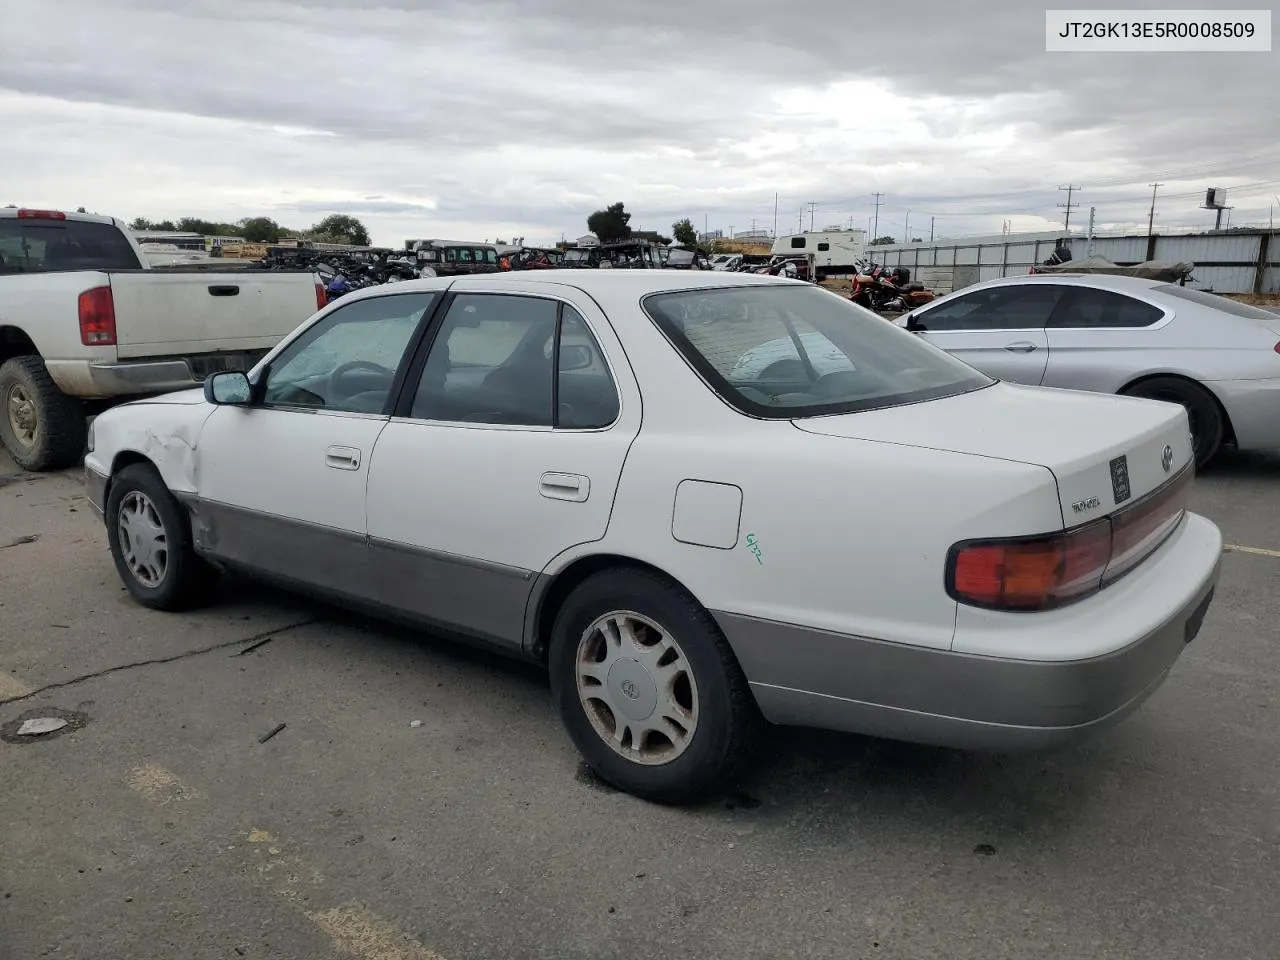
(1208, 426)
(150, 540)
(648, 688)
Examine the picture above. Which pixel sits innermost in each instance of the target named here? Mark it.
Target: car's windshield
(29, 245)
(793, 351)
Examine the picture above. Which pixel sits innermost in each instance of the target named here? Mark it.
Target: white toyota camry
(701, 499)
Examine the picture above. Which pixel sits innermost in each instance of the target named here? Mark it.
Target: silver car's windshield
(784, 351)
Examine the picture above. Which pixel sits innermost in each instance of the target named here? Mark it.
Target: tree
(882, 241)
(260, 230)
(346, 229)
(684, 232)
(139, 223)
(916, 240)
(611, 223)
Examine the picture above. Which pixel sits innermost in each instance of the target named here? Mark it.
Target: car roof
(601, 285)
(1108, 281)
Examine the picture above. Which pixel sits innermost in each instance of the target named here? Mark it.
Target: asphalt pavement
(421, 801)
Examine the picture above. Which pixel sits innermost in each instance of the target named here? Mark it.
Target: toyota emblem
(630, 690)
(1166, 458)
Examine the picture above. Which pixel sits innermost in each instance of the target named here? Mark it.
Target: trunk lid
(163, 313)
(1106, 452)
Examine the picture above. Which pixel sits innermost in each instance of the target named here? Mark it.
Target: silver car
(1217, 357)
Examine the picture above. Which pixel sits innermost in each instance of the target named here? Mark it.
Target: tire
(184, 581)
(722, 723)
(1208, 425)
(41, 427)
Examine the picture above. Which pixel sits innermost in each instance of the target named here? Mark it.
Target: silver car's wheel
(636, 687)
(144, 542)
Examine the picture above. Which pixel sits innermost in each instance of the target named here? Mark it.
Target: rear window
(47, 246)
(1225, 304)
(781, 352)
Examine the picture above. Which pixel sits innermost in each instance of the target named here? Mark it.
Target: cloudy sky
(483, 119)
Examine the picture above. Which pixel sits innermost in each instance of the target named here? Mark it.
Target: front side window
(464, 255)
(797, 243)
(1091, 307)
(1013, 307)
(487, 255)
(348, 360)
(781, 352)
(824, 247)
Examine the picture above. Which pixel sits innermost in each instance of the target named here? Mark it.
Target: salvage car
(610, 473)
(1218, 358)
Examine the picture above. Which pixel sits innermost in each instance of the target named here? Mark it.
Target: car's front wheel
(648, 688)
(150, 541)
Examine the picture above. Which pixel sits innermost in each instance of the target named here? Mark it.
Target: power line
(875, 230)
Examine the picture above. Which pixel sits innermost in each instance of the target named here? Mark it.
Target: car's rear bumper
(124, 378)
(808, 677)
(1253, 407)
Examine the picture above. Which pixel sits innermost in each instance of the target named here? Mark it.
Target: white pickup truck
(84, 321)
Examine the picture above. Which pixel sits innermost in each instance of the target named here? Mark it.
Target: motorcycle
(885, 291)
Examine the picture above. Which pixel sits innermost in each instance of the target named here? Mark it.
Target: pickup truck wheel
(40, 426)
(150, 540)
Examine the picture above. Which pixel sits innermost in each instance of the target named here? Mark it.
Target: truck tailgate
(159, 313)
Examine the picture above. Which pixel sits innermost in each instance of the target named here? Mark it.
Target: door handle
(564, 486)
(1022, 346)
(224, 290)
(342, 458)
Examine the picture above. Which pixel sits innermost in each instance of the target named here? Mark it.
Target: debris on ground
(415, 724)
(272, 732)
(41, 726)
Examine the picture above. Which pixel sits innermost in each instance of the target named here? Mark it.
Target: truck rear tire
(41, 427)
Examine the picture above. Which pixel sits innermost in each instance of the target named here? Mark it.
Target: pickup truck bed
(83, 319)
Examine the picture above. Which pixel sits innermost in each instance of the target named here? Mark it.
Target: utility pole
(1152, 215)
(1088, 252)
(876, 229)
(906, 229)
(931, 219)
(775, 214)
(705, 231)
(731, 231)
(1070, 188)
(811, 206)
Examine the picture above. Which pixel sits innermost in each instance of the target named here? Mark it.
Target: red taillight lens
(1041, 573)
(1136, 532)
(41, 215)
(322, 299)
(97, 318)
(1032, 574)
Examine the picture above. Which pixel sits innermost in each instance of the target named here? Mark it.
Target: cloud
(486, 118)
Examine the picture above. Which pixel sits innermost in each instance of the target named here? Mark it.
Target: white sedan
(579, 468)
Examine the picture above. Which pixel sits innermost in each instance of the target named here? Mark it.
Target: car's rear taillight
(97, 318)
(322, 299)
(41, 215)
(1041, 573)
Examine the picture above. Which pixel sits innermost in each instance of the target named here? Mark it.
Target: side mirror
(228, 388)
(913, 323)
(574, 357)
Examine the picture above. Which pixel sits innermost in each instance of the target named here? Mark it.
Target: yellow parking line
(1256, 551)
(11, 688)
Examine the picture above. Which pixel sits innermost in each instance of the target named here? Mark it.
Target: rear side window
(1013, 307)
(822, 247)
(1089, 308)
(48, 246)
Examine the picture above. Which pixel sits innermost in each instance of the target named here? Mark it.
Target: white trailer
(834, 251)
